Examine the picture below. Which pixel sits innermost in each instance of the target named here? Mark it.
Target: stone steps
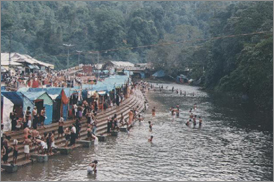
(134, 100)
(58, 141)
(68, 122)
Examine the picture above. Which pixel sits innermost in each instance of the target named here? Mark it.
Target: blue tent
(55, 93)
(15, 97)
(160, 73)
(47, 103)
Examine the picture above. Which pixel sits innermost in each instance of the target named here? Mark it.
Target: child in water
(150, 139)
(188, 122)
(200, 122)
(150, 126)
(92, 167)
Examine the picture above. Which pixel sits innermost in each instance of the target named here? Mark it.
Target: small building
(17, 99)
(25, 62)
(114, 66)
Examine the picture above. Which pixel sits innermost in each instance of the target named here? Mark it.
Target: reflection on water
(218, 151)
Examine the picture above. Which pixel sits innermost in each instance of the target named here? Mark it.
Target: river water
(220, 150)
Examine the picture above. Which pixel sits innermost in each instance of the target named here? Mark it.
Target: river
(220, 150)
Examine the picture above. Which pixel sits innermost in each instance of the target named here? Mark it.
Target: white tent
(7, 109)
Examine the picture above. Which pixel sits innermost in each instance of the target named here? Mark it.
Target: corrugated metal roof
(122, 64)
(21, 58)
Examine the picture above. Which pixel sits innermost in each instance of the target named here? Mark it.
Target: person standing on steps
(43, 117)
(13, 118)
(61, 127)
(15, 151)
(67, 136)
(73, 136)
(35, 119)
(27, 146)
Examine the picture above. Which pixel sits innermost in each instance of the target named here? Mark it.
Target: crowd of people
(41, 79)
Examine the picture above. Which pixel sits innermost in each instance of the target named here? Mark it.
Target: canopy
(15, 97)
(54, 92)
(33, 95)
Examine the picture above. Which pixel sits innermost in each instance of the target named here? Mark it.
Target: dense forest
(227, 44)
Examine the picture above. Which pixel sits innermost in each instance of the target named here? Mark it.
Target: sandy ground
(153, 102)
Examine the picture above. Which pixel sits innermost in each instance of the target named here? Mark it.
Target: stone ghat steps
(61, 141)
(101, 129)
(54, 127)
(103, 124)
(68, 122)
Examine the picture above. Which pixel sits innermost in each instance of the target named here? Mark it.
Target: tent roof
(33, 95)
(15, 97)
(54, 92)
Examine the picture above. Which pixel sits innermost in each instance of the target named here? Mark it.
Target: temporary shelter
(17, 99)
(6, 109)
(60, 104)
(159, 74)
(41, 99)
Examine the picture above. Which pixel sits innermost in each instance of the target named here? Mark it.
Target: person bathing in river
(171, 110)
(140, 118)
(153, 111)
(188, 122)
(194, 121)
(150, 126)
(195, 106)
(92, 167)
(177, 113)
(200, 122)
(191, 115)
(173, 113)
(150, 139)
